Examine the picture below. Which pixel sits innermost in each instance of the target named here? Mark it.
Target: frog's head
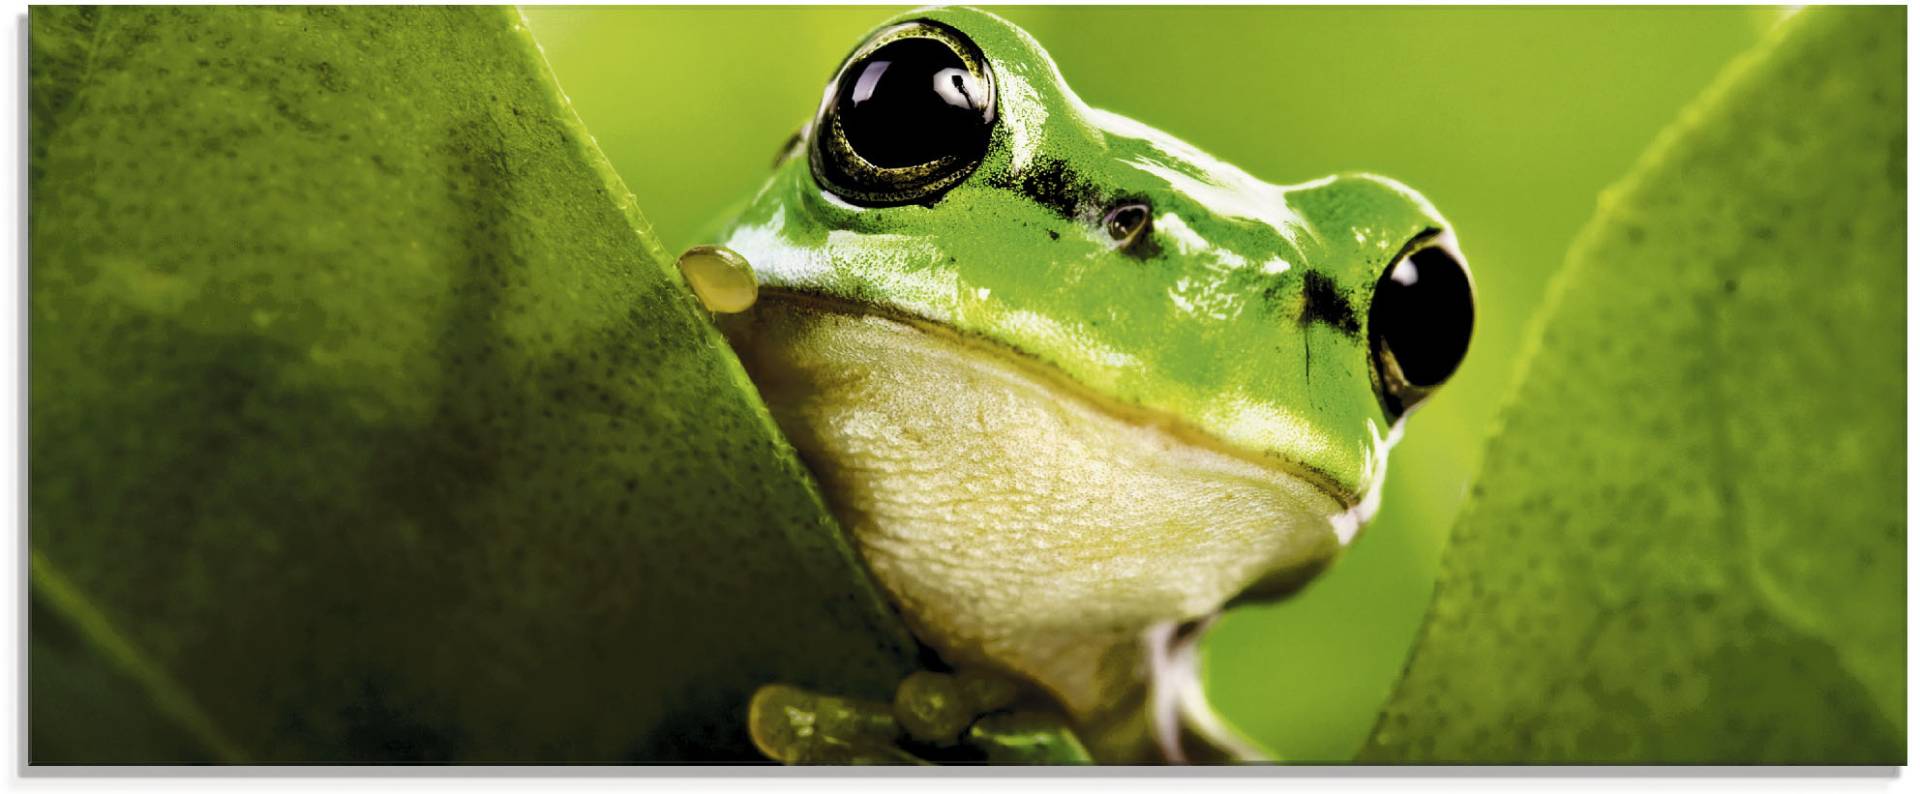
(1059, 371)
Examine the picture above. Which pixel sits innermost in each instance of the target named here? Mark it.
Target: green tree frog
(1070, 385)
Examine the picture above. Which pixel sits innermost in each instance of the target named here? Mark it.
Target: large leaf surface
(1687, 543)
(368, 423)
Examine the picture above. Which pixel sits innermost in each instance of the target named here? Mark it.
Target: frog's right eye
(907, 117)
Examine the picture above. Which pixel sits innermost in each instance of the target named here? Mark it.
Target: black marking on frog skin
(1053, 184)
(1271, 295)
(1143, 249)
(1323, 303)
(1306, 355)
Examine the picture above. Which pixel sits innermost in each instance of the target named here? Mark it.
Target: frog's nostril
(1126, 222)
(1420, 324)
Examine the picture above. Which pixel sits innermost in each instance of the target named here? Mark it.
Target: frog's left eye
(1421, 320)
(907, 117)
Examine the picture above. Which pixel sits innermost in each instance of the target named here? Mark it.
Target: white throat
(1017, 523)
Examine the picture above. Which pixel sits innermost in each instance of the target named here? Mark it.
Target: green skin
(1241, 316)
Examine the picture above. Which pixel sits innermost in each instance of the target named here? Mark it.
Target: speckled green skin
(1689, 540)
(368, 423)
(1244, 316)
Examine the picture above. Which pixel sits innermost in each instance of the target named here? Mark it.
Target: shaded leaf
(368, 423)
(1688, 539)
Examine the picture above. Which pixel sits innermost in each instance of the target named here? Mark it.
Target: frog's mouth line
(1358, 507)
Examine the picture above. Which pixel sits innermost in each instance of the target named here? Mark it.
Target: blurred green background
(1510, 119)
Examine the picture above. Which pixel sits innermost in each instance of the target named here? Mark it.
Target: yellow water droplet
(721, 279)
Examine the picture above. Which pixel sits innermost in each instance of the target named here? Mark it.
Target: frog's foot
(982, 713)
(934, 717)
(795, 726)
(1027, 738)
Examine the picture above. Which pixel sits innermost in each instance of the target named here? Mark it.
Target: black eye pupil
(1423, 313)
(912, 102)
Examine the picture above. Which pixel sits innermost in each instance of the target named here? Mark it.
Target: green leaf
(369, 423)
(1688, 540)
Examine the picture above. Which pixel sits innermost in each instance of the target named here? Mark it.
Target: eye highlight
(908, 117)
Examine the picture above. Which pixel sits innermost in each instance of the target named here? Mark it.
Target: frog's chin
(1017, 522)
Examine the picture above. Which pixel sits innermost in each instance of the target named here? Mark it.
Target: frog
(1071, 387)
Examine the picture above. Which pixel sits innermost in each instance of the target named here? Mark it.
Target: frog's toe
(979, 710)
(794, 726)
(1027, 737)
(936, 708)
